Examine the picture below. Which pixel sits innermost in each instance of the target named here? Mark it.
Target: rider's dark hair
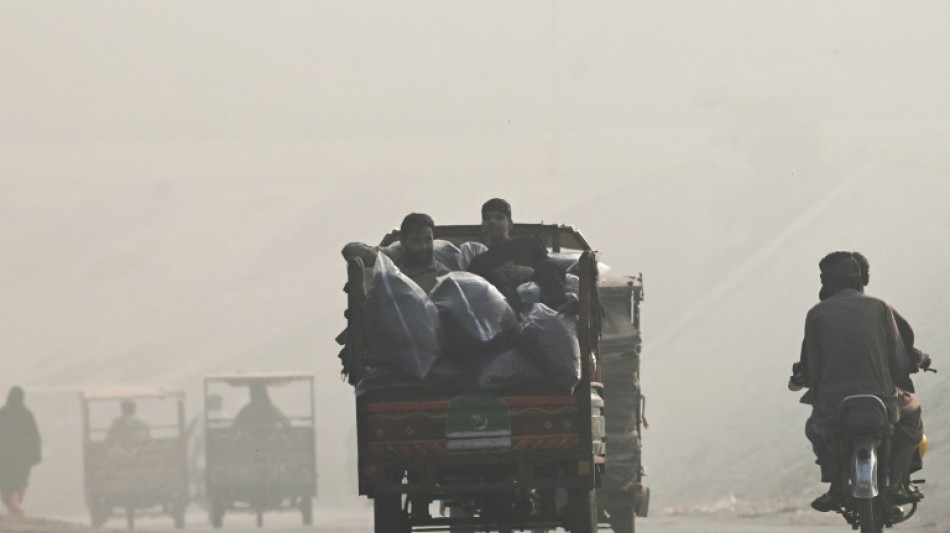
(839, 270)
(414, 223)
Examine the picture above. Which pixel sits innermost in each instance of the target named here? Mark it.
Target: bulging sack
(402, 323)
(472, 309)
(549, 340)
(529, 293)
(507, 369)
(468, 251)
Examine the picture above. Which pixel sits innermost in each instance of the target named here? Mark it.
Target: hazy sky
(176, 178)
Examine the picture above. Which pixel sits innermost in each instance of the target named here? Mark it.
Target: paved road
(360, 521)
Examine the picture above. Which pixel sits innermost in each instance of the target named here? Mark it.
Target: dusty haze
(177, 178)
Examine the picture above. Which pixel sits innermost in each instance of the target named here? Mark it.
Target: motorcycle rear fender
(864, 469)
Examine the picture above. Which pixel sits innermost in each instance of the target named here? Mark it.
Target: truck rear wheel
(216, 514)
(99, 513)
(388, 516)
(581, 511)
(306, 509)
(622, 519)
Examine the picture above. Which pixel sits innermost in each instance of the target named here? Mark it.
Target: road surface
(361, 521)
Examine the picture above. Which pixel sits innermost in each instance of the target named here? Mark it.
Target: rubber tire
(216, 513)
(581, 511)
(99, 514)
(868, 518)
(130, 517)
(178, 519)
(177, 512)
(388, 516)
(306, 510)
(622, 519)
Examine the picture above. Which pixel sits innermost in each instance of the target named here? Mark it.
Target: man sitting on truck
(417, 262)
(511, 261)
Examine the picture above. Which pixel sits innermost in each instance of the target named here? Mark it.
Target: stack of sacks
(462, 335)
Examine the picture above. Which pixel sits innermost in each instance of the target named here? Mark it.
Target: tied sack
(468, 251)
(473, 311)
(507, 369)
(402, 324)
(549, 340)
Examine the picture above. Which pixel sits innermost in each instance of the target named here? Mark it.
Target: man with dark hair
(852, 346)
(128, 428)
(415, 258)
(19, 449)
(511, 261)
(917, 359)
(260, 419)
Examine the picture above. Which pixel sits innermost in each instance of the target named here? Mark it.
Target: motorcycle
(864, 431)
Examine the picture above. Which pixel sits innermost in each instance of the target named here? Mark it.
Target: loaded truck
(455, 456)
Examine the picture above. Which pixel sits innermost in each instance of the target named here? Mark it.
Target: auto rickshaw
(134, 453)
(263, 457)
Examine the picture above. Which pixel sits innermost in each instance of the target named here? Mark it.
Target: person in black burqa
(20, 449)
(511, 261)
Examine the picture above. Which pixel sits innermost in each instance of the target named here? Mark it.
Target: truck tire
(216, 514)
(306, 510)
(178, 514)
(99, 513)
(388, 516)
(622, 519)
(581, 511)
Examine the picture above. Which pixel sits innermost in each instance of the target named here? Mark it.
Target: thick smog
(421, 266)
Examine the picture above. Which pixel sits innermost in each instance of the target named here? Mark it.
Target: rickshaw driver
(260, 419)
(128, 428)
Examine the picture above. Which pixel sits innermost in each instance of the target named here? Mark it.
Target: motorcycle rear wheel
(868, 517)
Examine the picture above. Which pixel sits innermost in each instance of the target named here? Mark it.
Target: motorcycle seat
(862, 415)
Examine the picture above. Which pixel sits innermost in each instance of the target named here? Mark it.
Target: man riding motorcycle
(853, 346)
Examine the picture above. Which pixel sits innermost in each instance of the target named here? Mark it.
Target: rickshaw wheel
(306, 510)
(130, 517)
(99, 514)
(217, 513)
(179, 518)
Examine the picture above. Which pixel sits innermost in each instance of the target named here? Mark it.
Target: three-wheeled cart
(270, 466)
(145, 475)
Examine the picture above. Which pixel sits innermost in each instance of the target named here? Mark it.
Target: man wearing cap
(511, 261)
(852, 346)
